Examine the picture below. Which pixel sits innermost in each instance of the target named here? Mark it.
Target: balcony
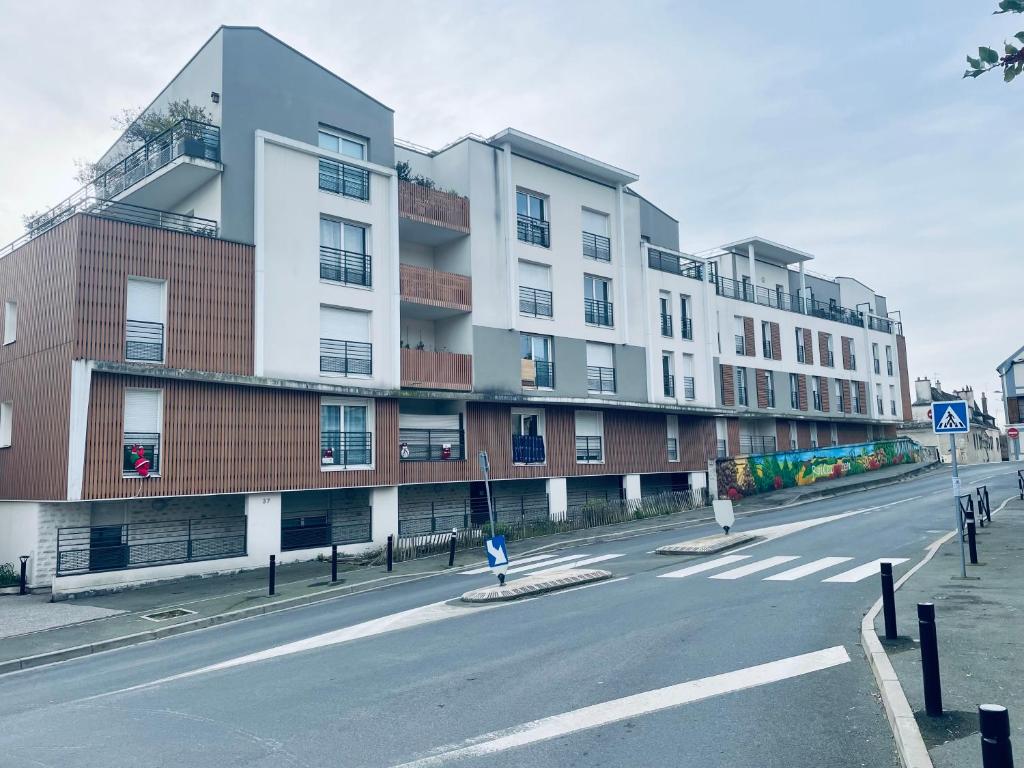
(880, 324)
(676, 265)
(346, 358)
(141, 445)
(741, 344)
(721, 449)
(666, 325)
(596, 247)
(144, 341)
(756, 444)
(445, 292)
(600, 379)
(597, 312)
(345, 267)
(672, 448)
(431, 444)
(668, 384)
(533, 231)
(346, 449)
(689, 388)
(422, 369)
(686, 328)
(537, 374)
(769, 297)
(535, 302)
(344, 179)
(433, 209)
(528, 449)
(589, 449)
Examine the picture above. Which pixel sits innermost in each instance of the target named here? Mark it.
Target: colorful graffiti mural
(748, 475)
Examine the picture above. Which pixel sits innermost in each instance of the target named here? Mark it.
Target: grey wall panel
(496, 357)
(657, 225)
(570, 367)
(631, 372)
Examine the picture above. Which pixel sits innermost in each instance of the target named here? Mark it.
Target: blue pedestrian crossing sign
(950, 418)
(497, 554)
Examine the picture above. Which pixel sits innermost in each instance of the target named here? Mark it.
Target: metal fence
(535, 302)
(431, 444)
(346, 357)
(85, 549)
(531, 230)
(669, 262)
(597, 312)
(144, 341)
(345, 266)
(346, 448)
(322, 528)
(600, 379)
(597, 247)
(344, 179)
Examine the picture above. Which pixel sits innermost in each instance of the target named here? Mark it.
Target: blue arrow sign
(950, 418)
(497, 553)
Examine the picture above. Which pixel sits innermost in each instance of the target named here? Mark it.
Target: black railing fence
(668, 384)
(589, 448)
(597, 247)
(757, 444)
(531, 230)
(686, 328)
(144, 341)
(672, 447)
(346, 357)
(669, 262)
(345, 266)
(535, 302)
(323, 528)
(346, 448)
(600, 379)
(689, 388)
(597, 312)
(543, 376)
(431, 444)
(528, 449)
(666, 325)
(344, 179)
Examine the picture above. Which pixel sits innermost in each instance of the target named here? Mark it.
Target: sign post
(1014, 434)
(951, 418)
(497, 552)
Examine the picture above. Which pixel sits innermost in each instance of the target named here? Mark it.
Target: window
(528, 437)
(769, 387)
(668, 378)
(664, 300)
(741, 386)
(834, 433)
(537, 369)
(879, 402)
(888, 360)
(589, 437)
(801, 350)
(855, 387)
(10, 321)
(814, 435)
(794, 391)
(874, 357)
(6, 416)
(345, 348)
(143, 418)
(343, 144)
(689, 386)
(685, 323)
(535, 290)
(780, 296)
(531, 219)
(741, 335)
(597, 305)
(892, 399)
(816, 392)
(830, 350)
(144, 320)
(792, 436)
(766, 339)
(672, 437)
(343, 256)
(596, 244)
(346, 433)
(748, 293)
(600, 367)
(853, 355)
(840, 404)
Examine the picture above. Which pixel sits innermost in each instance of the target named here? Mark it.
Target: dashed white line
(760, 565)
(807, 569)
(701, 567)
(862, 571)
(575, 564)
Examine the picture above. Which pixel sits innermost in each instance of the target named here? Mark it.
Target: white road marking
(517, 561)
(586, 586)
(808, 568)
(636, 705)
(575, 564)
(862, 571)
(701, 567)
(566, 559)
(755, 567)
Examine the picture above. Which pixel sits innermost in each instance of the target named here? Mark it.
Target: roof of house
(1004, 366)
(978, 416)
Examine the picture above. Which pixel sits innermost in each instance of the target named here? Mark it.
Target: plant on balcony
(404, 171)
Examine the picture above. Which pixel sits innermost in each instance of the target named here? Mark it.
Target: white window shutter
(595, 223)
(142, 410)
(344, 324)
(600, 355)
(534, 276)
(145, 300)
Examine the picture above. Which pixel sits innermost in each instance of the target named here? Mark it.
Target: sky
(841, 129)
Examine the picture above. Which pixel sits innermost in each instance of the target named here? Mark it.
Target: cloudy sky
(842, 129)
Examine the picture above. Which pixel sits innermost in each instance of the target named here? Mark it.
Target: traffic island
(535, 584)
(708, 545)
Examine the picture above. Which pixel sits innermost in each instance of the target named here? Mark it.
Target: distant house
(978, 446)
(1011, 372)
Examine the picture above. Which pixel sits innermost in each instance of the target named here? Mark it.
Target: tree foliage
(1012, 60)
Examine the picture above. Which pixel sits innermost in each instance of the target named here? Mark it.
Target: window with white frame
(794, 391)
(346, 433)
(672, 428)
(840, 402)
(874, 357)
(814, 434)
(766, 339)
(589, 437)
(528, 436)
(740, 335)
(145, 310)
(6, 422)
(892, 399)
(685, 318)
(535, 298)
(537, 366)
(532, 224)
(834, 433)
(769, 387)
(665, 310)
(345, 348)
(343, 252)
(668, 376)
(597, 303)
(741, 385)
(816, 392)
(888, 359)
(600, 367)
(143, 424)
(689, 381)
(342, 143)
(596, 242)
(10, 321)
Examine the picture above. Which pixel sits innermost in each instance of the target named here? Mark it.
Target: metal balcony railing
(892, 404)
(600, 379)
(757, 444)
(324, 528)
(144, 341)
(880, 324)
(801, 354)
(344, 179)
(770, 397)
(534, 231)
(689, 388)
(589, 448)
(346, 449)
(598, 312)
(741, 344)
(817, 401)
(878, 366)
(528, 449)
(346, 267)
(830, 359)
(669, 385)
(881, 405)
(722, 449)
(535, 302)
(686, 328)
(666, 325)
(346, 357)
(149, 442)
(669, 262)
(833, 311)
(672, 448)
(794, 399)
(431, 444)
(767, 348)
(543, 374)
(888, 367)
(597, 247)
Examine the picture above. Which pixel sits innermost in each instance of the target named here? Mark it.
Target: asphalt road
(752, 662)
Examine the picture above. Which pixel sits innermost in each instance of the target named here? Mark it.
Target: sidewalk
(980, 625)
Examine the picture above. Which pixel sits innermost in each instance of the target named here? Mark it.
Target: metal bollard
(391, 546)
(451, 547)
(334, 563)
(972, 541)
(273, 572)
(988, 505)
(996, 750)
(929, 659)
(23, 584)
(888, 602)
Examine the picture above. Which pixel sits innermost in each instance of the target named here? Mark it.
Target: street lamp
(24, 567)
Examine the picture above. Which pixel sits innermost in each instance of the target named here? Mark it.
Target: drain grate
(173, 613)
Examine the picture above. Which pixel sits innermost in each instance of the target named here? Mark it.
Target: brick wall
(761, 384)
(823, 387)
(728, 385)
(776, 342)
(847, 404)
(801, 391)
(808, 346)
(823, 348)
(748, 336)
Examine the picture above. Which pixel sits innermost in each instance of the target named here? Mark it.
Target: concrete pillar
(631, 487)
(558, 497)
(384, 511)
(698, 480)
(753, 270)
(712, 478)
(262, 526)
(804, 299)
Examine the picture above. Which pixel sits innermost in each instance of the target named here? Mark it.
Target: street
(748, 658)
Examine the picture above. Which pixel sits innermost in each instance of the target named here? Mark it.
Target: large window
(346, 435)
(144, 323)
(596, 243)
(531, 219)
(343, 144)
(6, 422)
(537, 366)
(769, 388)
(10, 321)
(345, 348)
(741, 385)
(600, 367)
(597, 305)
(589, 437)
(794, 391)
(143, 418)
(535, 290)
(528, 437)
(343, 252)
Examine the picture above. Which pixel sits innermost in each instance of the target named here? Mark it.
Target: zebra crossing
(549, 563)
(797, 571)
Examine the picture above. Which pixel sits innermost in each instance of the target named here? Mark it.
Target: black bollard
(972, 541)
(929, 659)
(451, 548)
(988, 505)
(391, 546)
(888, 602)
(23, 584)
(273, 573)
(334, 563)
(996, 750)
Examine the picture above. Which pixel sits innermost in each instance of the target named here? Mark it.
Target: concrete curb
(323, 596)
(539, 584)
(708, 545)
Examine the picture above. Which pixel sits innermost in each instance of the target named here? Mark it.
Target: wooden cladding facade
(847, 346)
(422, 369)
(728, 384)
(808, 346)
(776, 337)
(823, 390)
(901, 359)
(220, 438)
(750, 349)
(844, 386)
(209, 294)
(436, 288)
(823, 339)
(433, 206)
(801, 391)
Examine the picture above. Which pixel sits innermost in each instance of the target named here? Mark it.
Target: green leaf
(1010, 6)
(1010, 50)
(1009, 73)
(975, 63)
(987, 55)
(1020, 36)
